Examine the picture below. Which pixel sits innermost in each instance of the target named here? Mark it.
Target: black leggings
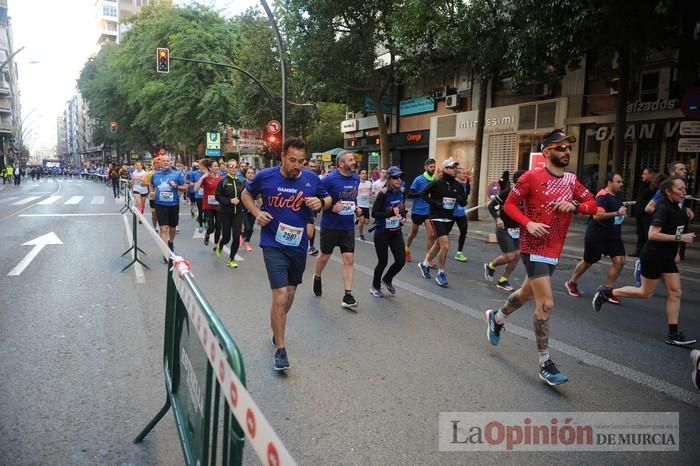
(384, 241)
(230, 226)
(115, 186)
(248, 224)
(213, 224)
(200, 220)
(462, 225)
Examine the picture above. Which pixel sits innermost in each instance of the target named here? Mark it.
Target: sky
(58, 37)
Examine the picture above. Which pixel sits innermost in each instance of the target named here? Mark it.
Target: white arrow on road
(38, 243)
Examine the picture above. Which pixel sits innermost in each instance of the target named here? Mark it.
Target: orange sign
(536, 160)
(414, 137)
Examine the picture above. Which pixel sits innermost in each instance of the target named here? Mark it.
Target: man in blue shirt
(166, 184)
(195, 197)
(288, 195)
(421, 209)
(338, 223)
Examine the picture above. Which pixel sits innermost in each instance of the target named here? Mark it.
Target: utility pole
(273, 23)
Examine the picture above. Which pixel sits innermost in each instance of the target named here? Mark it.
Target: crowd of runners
(531, 216)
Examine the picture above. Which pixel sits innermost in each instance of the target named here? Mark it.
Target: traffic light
(113, 126)
(273, 141)
(162, 60)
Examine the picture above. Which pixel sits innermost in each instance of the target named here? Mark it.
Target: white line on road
(26, 200)
(96, 214)
(138, 269)
(8, 199)
(49, 200)
(74, 200)
(98, 200)
(591, 359)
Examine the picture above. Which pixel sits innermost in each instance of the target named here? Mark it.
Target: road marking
(96, 214)
(197, 234)
(8, 199)
(98, 200)
(49, 200)
(138, 268)
(26, 200)
(672, 391)
(38, 243)
(74, 200)
(237, 257)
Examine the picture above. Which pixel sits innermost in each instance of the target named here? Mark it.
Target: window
(108, 10)
(649, 86)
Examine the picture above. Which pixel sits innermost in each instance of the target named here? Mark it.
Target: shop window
(447, 126)
(546, 114)
(526, 117)
(649, 87)
(502, 155)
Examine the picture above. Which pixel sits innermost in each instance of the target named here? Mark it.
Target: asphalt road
(80, 351)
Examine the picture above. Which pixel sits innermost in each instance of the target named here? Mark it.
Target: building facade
(10, 115)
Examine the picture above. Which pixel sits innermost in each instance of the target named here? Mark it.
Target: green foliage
(326, 132)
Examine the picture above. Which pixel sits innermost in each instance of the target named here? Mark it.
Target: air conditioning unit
(349, 115)
(452, 101)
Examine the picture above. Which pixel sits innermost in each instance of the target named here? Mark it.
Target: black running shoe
(679, 340)
(281, 360)
(601, 297)
(349, 301)
(317, 286)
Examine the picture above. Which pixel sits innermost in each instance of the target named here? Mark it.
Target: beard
(558, 162)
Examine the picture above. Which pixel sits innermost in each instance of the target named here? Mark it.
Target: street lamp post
(273, 23)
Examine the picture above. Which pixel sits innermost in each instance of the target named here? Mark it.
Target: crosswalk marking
(50, 200)
(26, 200)
(74, 200)
(98, 200)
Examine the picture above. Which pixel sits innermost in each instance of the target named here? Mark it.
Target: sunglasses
(395, 177)
(563, 148)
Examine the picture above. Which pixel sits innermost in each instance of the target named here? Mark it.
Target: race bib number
(166, 196)
(619, 219)
(393, 223)
(348, 208)
(514, 233)
(448, 203)
(211, 200)
(288, 235)
(544, 259)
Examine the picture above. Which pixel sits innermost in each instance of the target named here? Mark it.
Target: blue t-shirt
(420, 207)
(283, 198)
(166, 195)
(391, 222)
(193, 176)
(344, 189)
(610, 228)
(459, 210)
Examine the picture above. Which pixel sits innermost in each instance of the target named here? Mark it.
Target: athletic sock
(426, 263)
(441, 270)
(491, 266)
(501, 316)
(673, 329)
(171, 246)
(544, 357)
(348, 291)
(502, 279)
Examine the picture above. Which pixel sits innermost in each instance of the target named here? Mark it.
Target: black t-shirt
(671, 219)
(609, 228)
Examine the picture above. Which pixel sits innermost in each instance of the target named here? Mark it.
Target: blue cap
(394, 171)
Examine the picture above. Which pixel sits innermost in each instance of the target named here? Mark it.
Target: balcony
(5, 88)
(5, 106)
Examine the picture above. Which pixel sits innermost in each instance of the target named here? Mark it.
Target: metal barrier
(203, 366)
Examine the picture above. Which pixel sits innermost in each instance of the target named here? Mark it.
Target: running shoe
(695, 361)
(177, 229)
(679, 340)
(206, 241)
(460, 257)
(551, 375)
(349, 301)
(488, 272)
(613, 300)
(317, 286)
(218, 252)
(441, 279)
(248, 248)
(232, 264)
(601, 297)
(424, 270)
(281, 361)
(362, 237)
(313, 251)
(390, 288)
(192, 212)
(637, 273)
(572, 288)
(408, 256)
(504, 285)
(493, 328)
(377, 293)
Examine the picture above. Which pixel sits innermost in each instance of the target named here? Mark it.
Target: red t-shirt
(209, 184)
(538, 191)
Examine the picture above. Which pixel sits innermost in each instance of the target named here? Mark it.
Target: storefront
(409, 151)
(511, 133)
(362, 137)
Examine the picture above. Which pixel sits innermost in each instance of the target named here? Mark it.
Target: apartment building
(9, 91)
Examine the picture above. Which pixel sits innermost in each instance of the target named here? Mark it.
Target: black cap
(558, 135)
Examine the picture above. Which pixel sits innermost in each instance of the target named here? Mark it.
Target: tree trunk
(478, 144)
(383, 130)
(621, 110)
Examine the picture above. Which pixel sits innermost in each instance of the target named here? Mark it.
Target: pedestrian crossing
(58, 199)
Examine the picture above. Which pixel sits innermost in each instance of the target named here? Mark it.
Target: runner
(315, 167)
(140, 189)
(603, 237)
(549, 197)
(363, 192)
(443, 195)
(196, 195)
(337, 223)
(508, 237)
(151, 195)
(287, 193)
(461, 215)
(420, 209)
(248, 218)
(208, 183)
(228, 193)
(658, 259)
(389, 212)
(166, 184)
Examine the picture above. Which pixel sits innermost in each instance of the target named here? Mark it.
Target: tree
(325, 132)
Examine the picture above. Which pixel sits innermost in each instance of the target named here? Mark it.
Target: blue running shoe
(424, 270)
(281, 361)
(441, 279)
(551, 375)
(637, 273)
(493, 328)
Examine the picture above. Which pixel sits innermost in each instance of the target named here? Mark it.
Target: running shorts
(506, 242)
(344, 239)
(284, 267)
(168, 215)
(418, 219)
(442, 228)
(594, 249)
(654, 266)
(536, 269)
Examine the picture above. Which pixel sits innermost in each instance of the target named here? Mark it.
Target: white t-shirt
(378, 186)
(363, 192)
(137, 176)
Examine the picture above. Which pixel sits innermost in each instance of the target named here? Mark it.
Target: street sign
(273, 126)
(689, 145)
(213, 144)
(690, 128)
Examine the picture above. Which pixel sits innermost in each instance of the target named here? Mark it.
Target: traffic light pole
(273, 23)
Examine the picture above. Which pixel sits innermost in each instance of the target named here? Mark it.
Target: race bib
(448, 203)
(200, 192)
(211, 200)
(679, 230)
(619, 219)
(288, 235)
(165, 196)
(514, 233)
(544, 259)
(348, 208)
(393, 223)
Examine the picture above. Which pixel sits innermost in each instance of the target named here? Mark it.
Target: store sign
(661, 104)
(536, 160)
(690, 128)
(639, 131)
(347, 126)
(414, 137)
(689, 145)
(690, 104)
(386, 104)
(418, 105)
(498, 120)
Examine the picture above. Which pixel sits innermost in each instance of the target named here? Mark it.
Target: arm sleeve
(515, 198)
(223, 200)
(585, 197)
(496, 204)
(378, 210)
(427, 195)
(413, 193)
